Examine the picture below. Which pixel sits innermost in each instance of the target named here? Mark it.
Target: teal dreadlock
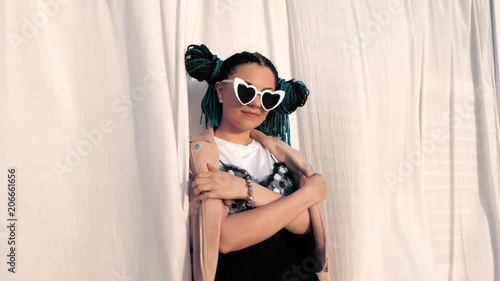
(211, 107)
(277, 122)
(202, 65)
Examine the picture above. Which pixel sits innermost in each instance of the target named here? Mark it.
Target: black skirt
(283, 256)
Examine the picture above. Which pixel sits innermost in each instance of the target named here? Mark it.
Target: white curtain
(404, 116)
(402, 120)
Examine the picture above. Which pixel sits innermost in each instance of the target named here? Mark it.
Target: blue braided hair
(202, 65)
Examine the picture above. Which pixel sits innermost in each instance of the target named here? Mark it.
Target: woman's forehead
(255, 74)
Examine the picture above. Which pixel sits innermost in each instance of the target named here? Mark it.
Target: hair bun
(201, 64)
(296, 95)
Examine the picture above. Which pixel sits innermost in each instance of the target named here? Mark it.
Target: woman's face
(239, 118)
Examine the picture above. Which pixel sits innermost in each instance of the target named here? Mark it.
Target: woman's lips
(251, 114)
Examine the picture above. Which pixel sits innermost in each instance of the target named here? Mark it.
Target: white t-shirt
(254, 158)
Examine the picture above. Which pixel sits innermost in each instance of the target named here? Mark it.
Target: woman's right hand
(218, 184)
(314, 187)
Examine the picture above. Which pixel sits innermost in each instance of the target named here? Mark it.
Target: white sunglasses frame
(237, 81)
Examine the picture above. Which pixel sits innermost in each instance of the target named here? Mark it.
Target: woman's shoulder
(295, 160)
(206, 136)
(203, 142)
(202, 150)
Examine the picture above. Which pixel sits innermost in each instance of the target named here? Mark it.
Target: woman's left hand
(218, 184)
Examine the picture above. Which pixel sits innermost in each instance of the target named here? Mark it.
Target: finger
(205, 186)
(199, 181)
(200, 189)
(197, 192)
(205, 196)
(195, 183)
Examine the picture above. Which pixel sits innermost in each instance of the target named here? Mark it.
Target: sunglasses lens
(245, 94)
(269, 100)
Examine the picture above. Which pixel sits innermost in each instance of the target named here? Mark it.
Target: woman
(254, 212)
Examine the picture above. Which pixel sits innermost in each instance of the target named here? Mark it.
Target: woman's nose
(256, 102)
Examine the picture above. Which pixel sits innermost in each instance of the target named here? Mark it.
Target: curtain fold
(100, 141)
(405, 120)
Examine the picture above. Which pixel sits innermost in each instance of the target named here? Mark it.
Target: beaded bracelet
(250, 201)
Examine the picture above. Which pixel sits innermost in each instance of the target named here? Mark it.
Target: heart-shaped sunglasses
(247, 93)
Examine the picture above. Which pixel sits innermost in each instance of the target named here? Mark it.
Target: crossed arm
(272, 213)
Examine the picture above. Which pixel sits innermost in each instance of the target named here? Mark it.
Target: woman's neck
(242, 137)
